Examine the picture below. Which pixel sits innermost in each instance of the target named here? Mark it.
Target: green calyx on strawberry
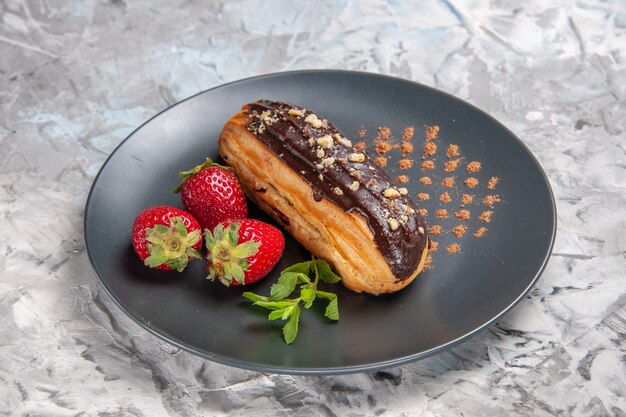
(242, 252)
(172, 246)
(166, 237)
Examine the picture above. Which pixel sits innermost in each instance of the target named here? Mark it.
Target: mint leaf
(254, 297)
(302, 268)
(327, 295)
(332, 310)
(285, 286)
(290, 329)
(308, 296)
(274, 305)
(276, 314)
(325, 273)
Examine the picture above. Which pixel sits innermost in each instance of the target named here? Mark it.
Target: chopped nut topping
(314, 121)
(358, 174)
(328, 161)
(404, 218)
(356, 157)
(321, 177)
(325, 141)
(345, 142)
(262, 128)
(403, 191)
(420, 229)
(311, 141)
(354, 186)
(266, 115)
(337, 191)
(393, 223)
(391, 193)
(410, 210)
(319, 166)
(320, 153)
(296, 112)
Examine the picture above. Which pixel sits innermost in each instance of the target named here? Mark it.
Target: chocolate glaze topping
(327, 161)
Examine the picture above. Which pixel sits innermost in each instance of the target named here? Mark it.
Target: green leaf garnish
(289, 308)
(325, 273)
(290, 330)
(332, 310)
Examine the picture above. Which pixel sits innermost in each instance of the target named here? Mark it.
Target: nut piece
(420, 229)
(356, 157)
(328, 161)
(314, 121)
(325, 141)
(391, 193)
(320, 153)
(354, 186)
(337, 191)
(403, 191)
(393, 223)
(342, 140)
(296, 112)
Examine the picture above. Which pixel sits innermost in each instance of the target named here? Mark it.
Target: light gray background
(77, 77)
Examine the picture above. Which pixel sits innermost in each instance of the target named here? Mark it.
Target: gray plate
(460, 295)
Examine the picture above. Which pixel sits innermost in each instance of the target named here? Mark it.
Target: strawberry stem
(186, 174)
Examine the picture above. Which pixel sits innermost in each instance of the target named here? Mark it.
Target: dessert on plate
(329, 196)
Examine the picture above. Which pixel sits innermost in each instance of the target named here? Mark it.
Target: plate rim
(330, 370)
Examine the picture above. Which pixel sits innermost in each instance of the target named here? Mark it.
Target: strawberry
(212, 194)
(242, 252)
(166, 238)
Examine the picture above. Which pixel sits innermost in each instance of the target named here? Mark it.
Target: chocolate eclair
(331, 197)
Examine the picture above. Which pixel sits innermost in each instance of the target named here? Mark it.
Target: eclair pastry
(330, 197)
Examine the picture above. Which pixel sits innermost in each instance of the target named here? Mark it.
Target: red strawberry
(243, 252)
(166, 238)
(212, 194)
